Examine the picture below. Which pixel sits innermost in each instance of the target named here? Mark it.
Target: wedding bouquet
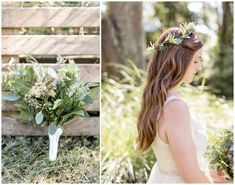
(48, 97)
(220, 153)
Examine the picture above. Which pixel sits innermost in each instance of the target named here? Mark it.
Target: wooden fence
(81, 46)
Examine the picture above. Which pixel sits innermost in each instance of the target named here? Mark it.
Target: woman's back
(166, 170)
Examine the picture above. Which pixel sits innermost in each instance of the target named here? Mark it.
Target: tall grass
(121, 101)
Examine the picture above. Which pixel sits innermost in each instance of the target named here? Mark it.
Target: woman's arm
(180, 139)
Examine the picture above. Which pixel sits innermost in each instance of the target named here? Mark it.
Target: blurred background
(127, 29)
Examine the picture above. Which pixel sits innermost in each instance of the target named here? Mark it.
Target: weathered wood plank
(10, 106)
(9, 31)
(75, 127)
(73, 45)
(89, 72)
(50, 17)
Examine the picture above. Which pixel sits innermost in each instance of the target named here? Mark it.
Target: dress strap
(170, 98)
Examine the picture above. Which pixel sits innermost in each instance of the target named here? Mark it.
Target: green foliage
(46, 95)
(221, 80)
(24, 160)
(120, 106)
(52, 129)
(185, 29)
(21, 77)
(10, 97)
(220, 153)
(121, 101)
(39, 117)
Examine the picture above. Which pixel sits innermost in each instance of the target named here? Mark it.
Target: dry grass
(25, 160)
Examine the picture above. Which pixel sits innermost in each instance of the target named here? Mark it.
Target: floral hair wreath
(185, 30)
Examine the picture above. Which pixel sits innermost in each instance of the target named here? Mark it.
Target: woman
(164, 121)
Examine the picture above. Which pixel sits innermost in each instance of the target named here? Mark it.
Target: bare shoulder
(176, 112)
(176, 106)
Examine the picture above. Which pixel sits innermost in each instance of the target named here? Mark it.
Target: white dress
(165, 170)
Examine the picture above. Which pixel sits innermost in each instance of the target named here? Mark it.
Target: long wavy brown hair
(165, 71)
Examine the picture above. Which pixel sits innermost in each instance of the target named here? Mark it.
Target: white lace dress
(165, 170)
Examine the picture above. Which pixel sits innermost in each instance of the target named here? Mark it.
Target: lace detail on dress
(164, 170)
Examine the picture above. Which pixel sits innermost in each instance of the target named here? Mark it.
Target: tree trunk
(222, 78)
(122, 35)
(226, 33)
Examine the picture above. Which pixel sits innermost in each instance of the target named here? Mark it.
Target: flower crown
(185, 30)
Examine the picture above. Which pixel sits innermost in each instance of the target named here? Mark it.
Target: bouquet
(48, 97)
(220, 153)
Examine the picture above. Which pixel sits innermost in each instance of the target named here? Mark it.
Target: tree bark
(226, 28)
(221, 79)
(122, 35)
(225, 32)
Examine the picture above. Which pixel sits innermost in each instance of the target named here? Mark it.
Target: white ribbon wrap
(53, 144)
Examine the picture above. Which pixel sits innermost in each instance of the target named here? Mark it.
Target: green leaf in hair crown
(186, 29)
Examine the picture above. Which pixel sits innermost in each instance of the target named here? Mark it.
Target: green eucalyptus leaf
(22, 86)
(10, 97)
(57, 103)
(81, 113)
(150, 50)
(94, 92)
(88, 99)
(39, 117)
(52, 129)
(178, 41)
